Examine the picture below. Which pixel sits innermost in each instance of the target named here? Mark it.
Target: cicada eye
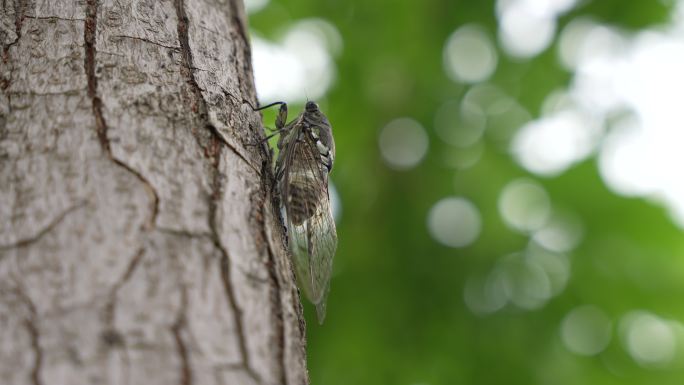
(311, 107)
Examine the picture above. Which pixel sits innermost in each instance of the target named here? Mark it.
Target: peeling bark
(139, 239)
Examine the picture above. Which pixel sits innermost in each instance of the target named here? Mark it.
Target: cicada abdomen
(307, 151)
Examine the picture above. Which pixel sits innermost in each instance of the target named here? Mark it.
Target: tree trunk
(139, 239)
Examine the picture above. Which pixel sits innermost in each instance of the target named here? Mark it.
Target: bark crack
(184, 233)
(237, 99)
(101, 128)
(175, 48)
(225, 268)
(19, 6)
(213, 151)
(187, 69)
(218, 136)
(50, 226)
(52, 18)
(111, 336)
(176, 329)
(37, 351)
(278, 310)
(276, 299)
(237, 312)
(72, 91)
(90, 32)
(34, 335)
(241, 28)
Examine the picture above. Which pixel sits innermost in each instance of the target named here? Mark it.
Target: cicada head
(311, 107)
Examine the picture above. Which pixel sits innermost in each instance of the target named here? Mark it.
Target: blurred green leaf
(396, 311)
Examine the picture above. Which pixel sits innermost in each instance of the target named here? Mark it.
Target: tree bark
(139, 239)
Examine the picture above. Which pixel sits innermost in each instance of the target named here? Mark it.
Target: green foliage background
(396, 312)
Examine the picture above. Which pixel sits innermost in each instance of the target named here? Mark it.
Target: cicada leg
(280, 120)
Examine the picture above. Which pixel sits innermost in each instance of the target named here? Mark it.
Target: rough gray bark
(139, 241)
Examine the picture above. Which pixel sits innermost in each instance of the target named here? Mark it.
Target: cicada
(306, 154)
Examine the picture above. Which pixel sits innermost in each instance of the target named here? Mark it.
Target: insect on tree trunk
(139, 243)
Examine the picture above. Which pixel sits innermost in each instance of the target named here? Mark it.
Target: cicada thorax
(320, 131)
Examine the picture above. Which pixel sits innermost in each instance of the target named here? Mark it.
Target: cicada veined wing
(307, 151)
(313, 245)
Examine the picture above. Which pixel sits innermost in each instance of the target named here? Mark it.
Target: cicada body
(307, 151)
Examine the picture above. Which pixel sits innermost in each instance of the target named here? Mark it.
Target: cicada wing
(303, 182)
(323, 245)
(313, 244)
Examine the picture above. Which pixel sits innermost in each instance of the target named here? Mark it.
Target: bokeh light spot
(335, 201)
(403, 143)
(556, 266)
(621, 163)
(299, 66)
(525, 281)
(583, 40)
(469, 55)
(485, 295)
(454, 222)
(524, 205)
(550, 8)
(628, 85)
(463, 158)
(503, 115)
(324, 31)
(460, 124)
(561, 233)
(524, 33)
(254, 6)
(551, 144)
(527, 27)
(649, 339)
(586, 330)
